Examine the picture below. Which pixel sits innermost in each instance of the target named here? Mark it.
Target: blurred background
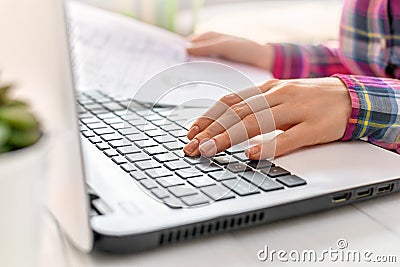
(301, 21)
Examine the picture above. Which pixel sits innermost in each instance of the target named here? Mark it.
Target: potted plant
(22, 158)
(19, 128)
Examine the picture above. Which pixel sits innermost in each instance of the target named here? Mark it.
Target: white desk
(373, 225)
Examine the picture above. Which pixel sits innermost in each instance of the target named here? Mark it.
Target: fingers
(223, 104)
(239, 111)
(204, 48)
(251, 126)
(291, 139)
(204, 36)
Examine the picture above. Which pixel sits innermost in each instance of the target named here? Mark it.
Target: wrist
(265, 57)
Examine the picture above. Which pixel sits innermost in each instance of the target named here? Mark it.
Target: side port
(341, 198)
(364, 192)
(387, 188)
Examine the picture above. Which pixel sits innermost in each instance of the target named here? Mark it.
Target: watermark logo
(340, 253)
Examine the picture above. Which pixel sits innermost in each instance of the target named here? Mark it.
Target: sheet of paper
(117, 54)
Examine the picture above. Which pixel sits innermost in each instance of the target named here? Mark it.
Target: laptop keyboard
(147, 144)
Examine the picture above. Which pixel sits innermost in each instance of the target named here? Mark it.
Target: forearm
(375, 110)
(305, 61)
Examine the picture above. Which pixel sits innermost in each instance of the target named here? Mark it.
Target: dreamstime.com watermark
(340, 253)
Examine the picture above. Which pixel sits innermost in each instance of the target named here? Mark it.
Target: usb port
(364, 193)
(340, 198)
(385, 188)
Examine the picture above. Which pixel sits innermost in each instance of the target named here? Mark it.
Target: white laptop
(126, 189)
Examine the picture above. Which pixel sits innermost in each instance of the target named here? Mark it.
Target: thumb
(291, 139)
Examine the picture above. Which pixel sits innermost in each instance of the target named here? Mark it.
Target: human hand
(232, 48)
(309, 111)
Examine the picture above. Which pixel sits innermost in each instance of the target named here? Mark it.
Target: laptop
(124, 185)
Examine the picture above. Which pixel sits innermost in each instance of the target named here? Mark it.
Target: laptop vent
(210, 227)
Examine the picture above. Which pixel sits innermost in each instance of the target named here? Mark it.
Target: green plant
(18, 126)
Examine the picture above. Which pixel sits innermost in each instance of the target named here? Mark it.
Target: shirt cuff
(352, 87)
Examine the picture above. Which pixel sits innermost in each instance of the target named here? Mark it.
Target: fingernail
(253, 150)
(208, 148)
(194, 130)
(192, 145)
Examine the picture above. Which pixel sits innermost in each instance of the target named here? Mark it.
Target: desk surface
(372, 225)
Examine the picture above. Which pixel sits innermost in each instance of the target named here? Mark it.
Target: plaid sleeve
(375, 110)
(302, 61)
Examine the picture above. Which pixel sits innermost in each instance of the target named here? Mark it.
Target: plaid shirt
(366, 59)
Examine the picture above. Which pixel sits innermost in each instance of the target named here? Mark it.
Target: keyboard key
(102, 146)
(159, 172)
(182, 190)
(261, 181)
(241, 156)
(170, 127)
(88, 134)
(148, 183)
(241, 187)
(162, 122)
(114, 120)
(205, 167)
(119, 160)
(120, 143)
(189, 173)
(237, 167)
(110, 152)
(147, 164)
(275, 171)
(138, 175)
(184, 140)
(218, 192)
(170, 181)
(196, 160)
(174, 145)
(106, 115)
(166, 157)
(235, 149)
(137, 137)
(160, 193)
(128, 150)
(177, 165)
(128, 167)
(180, 153)
(155, 150)
(129, 131)
(120, 126)
(178, 133)
(111, 137)
(135, 157)
(165, 139)
(90, 120)
(113, 106)
(222, 175)
(173, 202)
(201, 181)
(195, 200)
(291, 180)
(145, 143)
(93, 106)
(96, 125)
(146, 127)
(95, 139)
(223, 160)
(255, 164)
(156, 132)
(154, 117)
(102, 131)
